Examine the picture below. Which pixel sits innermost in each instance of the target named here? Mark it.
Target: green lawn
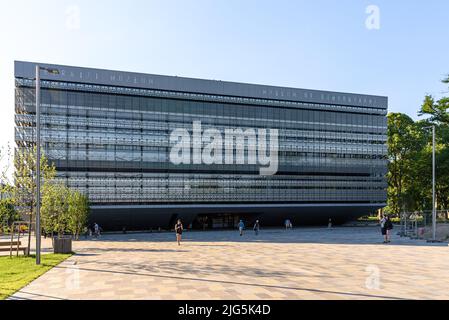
(17, 272)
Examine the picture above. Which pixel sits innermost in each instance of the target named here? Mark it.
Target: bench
(5, 246)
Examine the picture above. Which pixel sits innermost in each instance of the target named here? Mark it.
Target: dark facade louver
(108, 132)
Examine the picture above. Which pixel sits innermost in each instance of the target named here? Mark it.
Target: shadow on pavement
(134, 273)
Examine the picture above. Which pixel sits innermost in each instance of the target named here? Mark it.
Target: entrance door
(225, 221)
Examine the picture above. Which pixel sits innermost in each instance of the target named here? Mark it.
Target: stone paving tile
(309, 263)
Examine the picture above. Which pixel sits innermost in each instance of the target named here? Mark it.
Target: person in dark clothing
(256, 227)
(388, 227)
(288, 224)
(178, 229)
(96, 230)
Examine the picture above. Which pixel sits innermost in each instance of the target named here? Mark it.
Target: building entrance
(221, 221)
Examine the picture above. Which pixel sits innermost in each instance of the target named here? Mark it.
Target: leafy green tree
(63, 210)
(5, 157)
(446, 80)
(54, 210)
(24, 191)
(436, 110)
(438, 116)
(78, 211)
(8, 213)
(410, 157)
(405, 141)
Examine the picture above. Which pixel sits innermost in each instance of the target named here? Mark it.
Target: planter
(62, 245)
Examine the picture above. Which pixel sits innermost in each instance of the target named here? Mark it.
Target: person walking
(388, 228)
(96, 230)
(288, 224)
(256, 227)
(178, 229)
(383, 228)
(241, 226)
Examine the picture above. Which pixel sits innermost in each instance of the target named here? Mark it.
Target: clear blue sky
(308, 44)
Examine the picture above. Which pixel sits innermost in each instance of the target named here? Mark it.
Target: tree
(5, 157)
(446, 80)
(8, 213)
(405, 140)
(436, 110)
(78, 211)
(63, 210)
(438, 116)
(24, 191)
(54, 210)
(410, 157)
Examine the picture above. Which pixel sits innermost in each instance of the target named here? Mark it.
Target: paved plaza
(309, 263)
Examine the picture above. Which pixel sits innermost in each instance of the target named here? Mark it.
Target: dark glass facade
(109, 138)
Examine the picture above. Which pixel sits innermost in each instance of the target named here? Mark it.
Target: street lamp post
(434, 207)
(38, 158)
(38, 166)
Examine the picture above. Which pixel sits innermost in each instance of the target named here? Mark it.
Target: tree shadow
(267, 286)
(207, 269)
(80, 252)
